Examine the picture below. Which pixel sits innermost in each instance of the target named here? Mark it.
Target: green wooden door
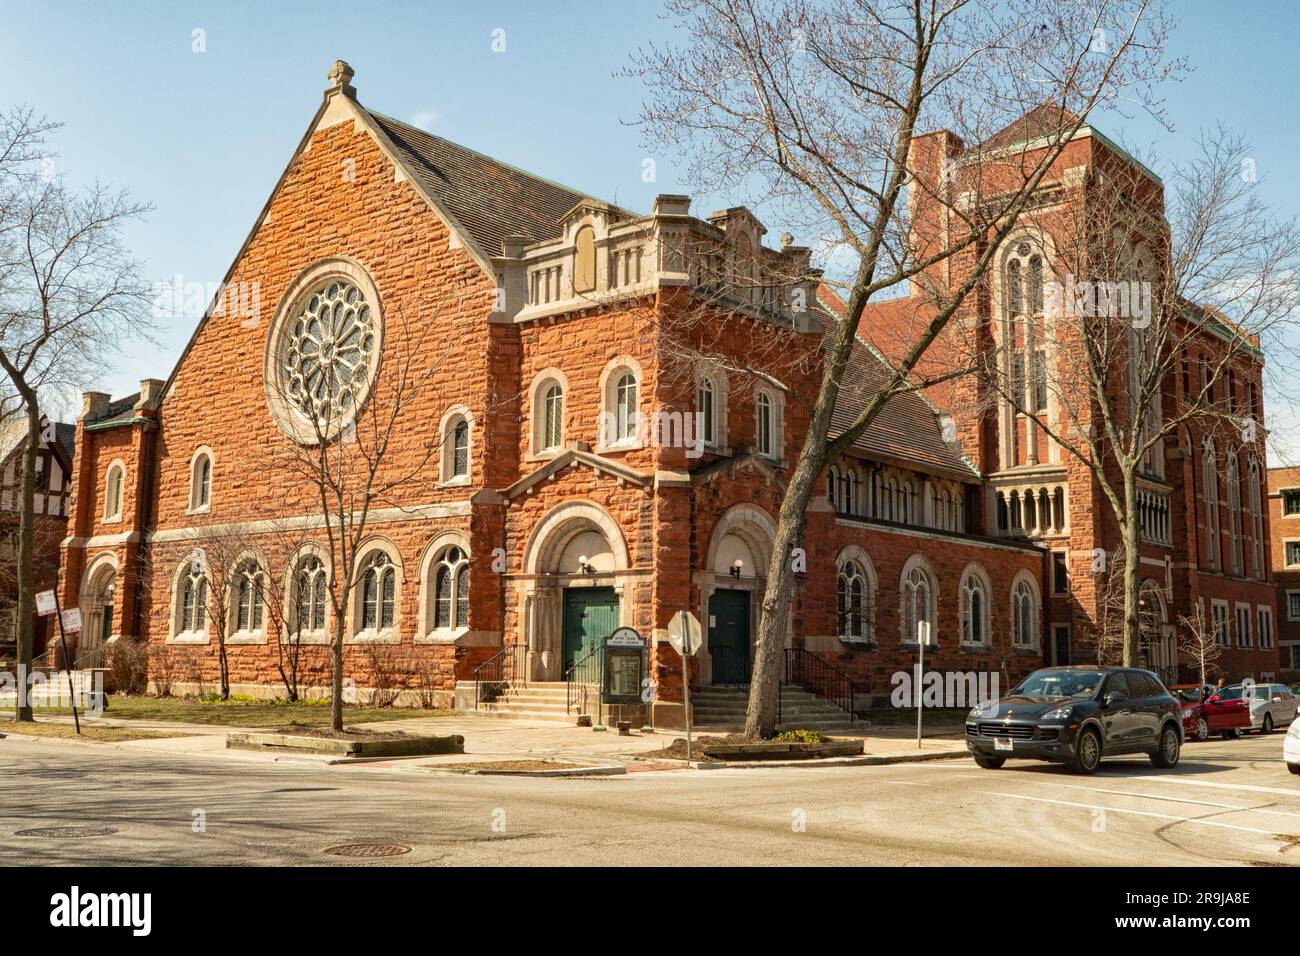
(590, 616)
(729, 636)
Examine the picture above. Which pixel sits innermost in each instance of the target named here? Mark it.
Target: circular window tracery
(324, 350)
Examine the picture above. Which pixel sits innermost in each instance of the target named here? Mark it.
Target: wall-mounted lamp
(584, 567)
(736, 567)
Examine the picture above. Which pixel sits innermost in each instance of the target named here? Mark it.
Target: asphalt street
(1227, 803)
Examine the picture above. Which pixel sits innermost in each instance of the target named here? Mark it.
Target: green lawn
(244, 713)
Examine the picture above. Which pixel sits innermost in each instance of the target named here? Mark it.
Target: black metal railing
(582, 678)
(498, 674)
(820, 677)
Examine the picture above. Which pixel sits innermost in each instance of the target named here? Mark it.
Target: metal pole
(923, 634)
(686, 677)
(63, 639)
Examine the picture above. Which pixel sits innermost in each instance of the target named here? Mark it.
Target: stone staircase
(723, 708)
(540, 700)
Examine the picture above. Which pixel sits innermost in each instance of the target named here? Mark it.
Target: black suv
(1077, 715)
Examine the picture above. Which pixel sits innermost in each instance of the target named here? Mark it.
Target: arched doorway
(576, 571)
(1156, 650)
(98, 597)
(731, 586)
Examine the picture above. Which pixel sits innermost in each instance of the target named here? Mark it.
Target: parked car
(1206, 712)
(1076, 716)
(1271, 705)
(1291, 748)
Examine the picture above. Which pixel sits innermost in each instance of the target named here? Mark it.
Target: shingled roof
(1045, 120)
(906, 431)
(490, 199)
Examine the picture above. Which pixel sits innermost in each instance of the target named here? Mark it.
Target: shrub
(801, 735)
(128, 665)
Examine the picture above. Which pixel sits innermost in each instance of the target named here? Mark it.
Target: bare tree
(1199, 640)
(815, 109)
(69, 295)
(1143, 332)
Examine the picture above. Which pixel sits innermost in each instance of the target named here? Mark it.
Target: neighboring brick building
(550, 514)
(1284, 517)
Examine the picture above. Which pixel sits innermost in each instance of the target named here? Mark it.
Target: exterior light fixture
(584, 567)
(736, 567)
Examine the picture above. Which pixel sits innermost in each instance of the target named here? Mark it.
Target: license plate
(1003, 743)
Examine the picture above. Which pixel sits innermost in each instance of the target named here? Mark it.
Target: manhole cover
(67, 833)
(369, 849)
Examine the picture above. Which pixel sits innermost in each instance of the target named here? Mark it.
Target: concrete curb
(562, 772)
(877, 760)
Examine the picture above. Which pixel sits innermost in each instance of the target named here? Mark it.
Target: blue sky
(204, 136)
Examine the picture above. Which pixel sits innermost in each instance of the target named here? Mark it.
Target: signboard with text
(624, 666)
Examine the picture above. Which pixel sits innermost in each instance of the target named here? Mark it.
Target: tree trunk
(1132, 570)
(336, 679)
(26, 547)
(765, 684)
(223, 664)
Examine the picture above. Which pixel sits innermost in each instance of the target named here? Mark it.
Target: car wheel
(990, 763)
(1232, 734)
(1294, 768)
(1202, 729)
(1087, 751)
(1166, 756)
(1268, 724)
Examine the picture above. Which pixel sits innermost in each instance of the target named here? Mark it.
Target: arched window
(201, 482)
(584, 260)
(550, 411)
(917, 607)
(974, 609)
(764, 425)
(1024, 614)
(249, 609)
(625, 408)
(1023, 280)
(309, 585)
(853, 600)
(1256, 519)
(833, 487)
(451, 589)
(1210, 491)
(378, 592)
(849, 494)
(113, 491)
(455, 447)
(706, 400)
(192, 600)
(1232, 474)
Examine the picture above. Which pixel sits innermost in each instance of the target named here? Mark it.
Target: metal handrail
(580, 676)
(820, 677)
(499, 671)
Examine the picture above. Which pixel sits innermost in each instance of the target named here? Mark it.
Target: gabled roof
(489, 198)
(581, 459)
(906, 430)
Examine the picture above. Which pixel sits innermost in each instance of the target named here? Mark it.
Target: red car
(1205, 712)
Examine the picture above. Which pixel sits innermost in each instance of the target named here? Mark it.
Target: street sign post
(684, 635)
(47, 603)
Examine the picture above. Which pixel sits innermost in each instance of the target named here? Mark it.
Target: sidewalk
(498, 739)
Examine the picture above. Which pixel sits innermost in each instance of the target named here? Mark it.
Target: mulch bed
(677, 749)
(348, 733)
(516, 765)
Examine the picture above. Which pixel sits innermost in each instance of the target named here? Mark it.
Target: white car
(1271, 705)
(1291, 748)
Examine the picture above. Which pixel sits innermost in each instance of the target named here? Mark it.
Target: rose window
(327, 354)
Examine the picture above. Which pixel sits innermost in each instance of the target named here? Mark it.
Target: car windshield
(1059, 683)
(1189, 695)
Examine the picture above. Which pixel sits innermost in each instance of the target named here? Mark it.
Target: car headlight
(1060, 713)
(1188, 712)
(978, 711)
